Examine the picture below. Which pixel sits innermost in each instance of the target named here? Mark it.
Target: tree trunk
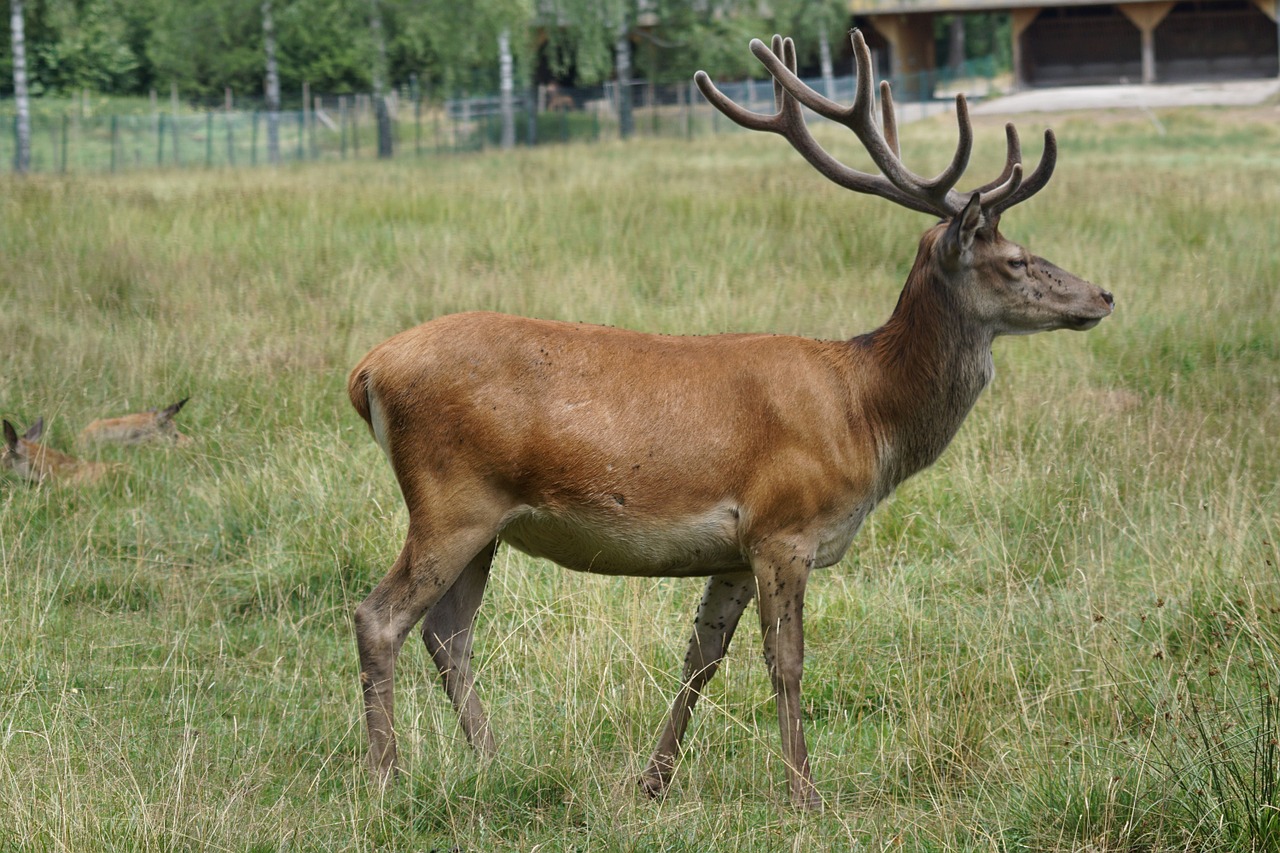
(506, 89)
(622, 67)
(273, 84)
(383, 115)
(381, 109)
(955, 46)
(824, 60)
(22, 103)
(379, 48)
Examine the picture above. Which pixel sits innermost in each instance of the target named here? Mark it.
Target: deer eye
(1017, 264)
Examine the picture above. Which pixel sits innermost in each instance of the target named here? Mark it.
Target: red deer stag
(748, 459)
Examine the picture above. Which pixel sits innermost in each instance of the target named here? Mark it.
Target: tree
(273, 84)
(455, 46)
(379, 39)
(506, 87)
(22, 123)
(813, 24)
(86, 47)
(590, 41)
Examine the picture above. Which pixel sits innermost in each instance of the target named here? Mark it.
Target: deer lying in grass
(27, 458)
(749, 459)
(139, 428)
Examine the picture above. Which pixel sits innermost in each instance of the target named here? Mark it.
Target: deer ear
(963, 229)
(168, 412)
(10, 436)
(36, 430)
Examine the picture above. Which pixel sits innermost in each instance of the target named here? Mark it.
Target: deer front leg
(722, 604)
(781, 575)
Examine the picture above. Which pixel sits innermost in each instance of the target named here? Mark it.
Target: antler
(896, 182)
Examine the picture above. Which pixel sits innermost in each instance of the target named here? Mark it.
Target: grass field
(1062, 637)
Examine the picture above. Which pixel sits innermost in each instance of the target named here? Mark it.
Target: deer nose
(1108, 298)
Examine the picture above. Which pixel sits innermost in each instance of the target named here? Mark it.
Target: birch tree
(506, 89)
(272, 85)
(22, 103)
(813, 24)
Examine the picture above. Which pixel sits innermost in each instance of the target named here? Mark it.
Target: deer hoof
(807, 800)
(653, 785)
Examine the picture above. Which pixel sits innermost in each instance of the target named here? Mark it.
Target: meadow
(1064, 636)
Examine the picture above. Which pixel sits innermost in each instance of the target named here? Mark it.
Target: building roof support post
(1146, 17)
(1021, 18)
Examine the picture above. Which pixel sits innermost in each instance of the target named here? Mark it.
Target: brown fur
(29, 459)
(750, 459)
(139, 428)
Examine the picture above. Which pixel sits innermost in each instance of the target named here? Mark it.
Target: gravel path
(1159, 95)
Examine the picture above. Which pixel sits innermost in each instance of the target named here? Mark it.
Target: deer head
(27, 458)
(1003, 288)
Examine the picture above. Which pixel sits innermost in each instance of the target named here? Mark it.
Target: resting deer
(139, 428)
(27, 458)
(748, 459)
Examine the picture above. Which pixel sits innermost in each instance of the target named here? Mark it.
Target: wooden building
(1071, 41)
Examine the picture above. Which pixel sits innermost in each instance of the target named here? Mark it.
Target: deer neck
(930, 362)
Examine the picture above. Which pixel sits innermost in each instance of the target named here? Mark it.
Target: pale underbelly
(614, 546)
(710, 544)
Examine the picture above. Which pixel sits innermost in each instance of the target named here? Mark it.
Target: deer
(139, 428)
(750, 460)
(558, 101)
(29, 459)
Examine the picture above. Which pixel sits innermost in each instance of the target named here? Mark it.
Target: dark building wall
(1081, 44)
(1202, 41)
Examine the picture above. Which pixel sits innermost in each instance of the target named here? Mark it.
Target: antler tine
(1033, 183)
(938, 189)
(898, 184)
(1013, 148)
(934, 194)
(738, 114)
(788, 122)
(779, 93)
(890, 119)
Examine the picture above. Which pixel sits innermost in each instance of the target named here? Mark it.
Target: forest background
(208, 49)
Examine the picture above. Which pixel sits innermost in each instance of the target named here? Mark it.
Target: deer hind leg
(447, 632)
(423, 573)
(781, 575)
(722, 604)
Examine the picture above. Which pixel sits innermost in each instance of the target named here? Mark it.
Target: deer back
(138, 428)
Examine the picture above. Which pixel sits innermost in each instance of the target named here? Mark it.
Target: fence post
(316, 107)
(355, 129)
(384, 127)
(159, 139)
(342, 124)
(302, 134)
(231, 141)
(66, 126)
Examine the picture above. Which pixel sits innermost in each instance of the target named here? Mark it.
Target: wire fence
(335, 128)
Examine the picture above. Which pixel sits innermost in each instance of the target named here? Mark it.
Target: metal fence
(335, 128)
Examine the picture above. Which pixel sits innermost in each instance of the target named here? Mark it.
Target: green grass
(1062, 637)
